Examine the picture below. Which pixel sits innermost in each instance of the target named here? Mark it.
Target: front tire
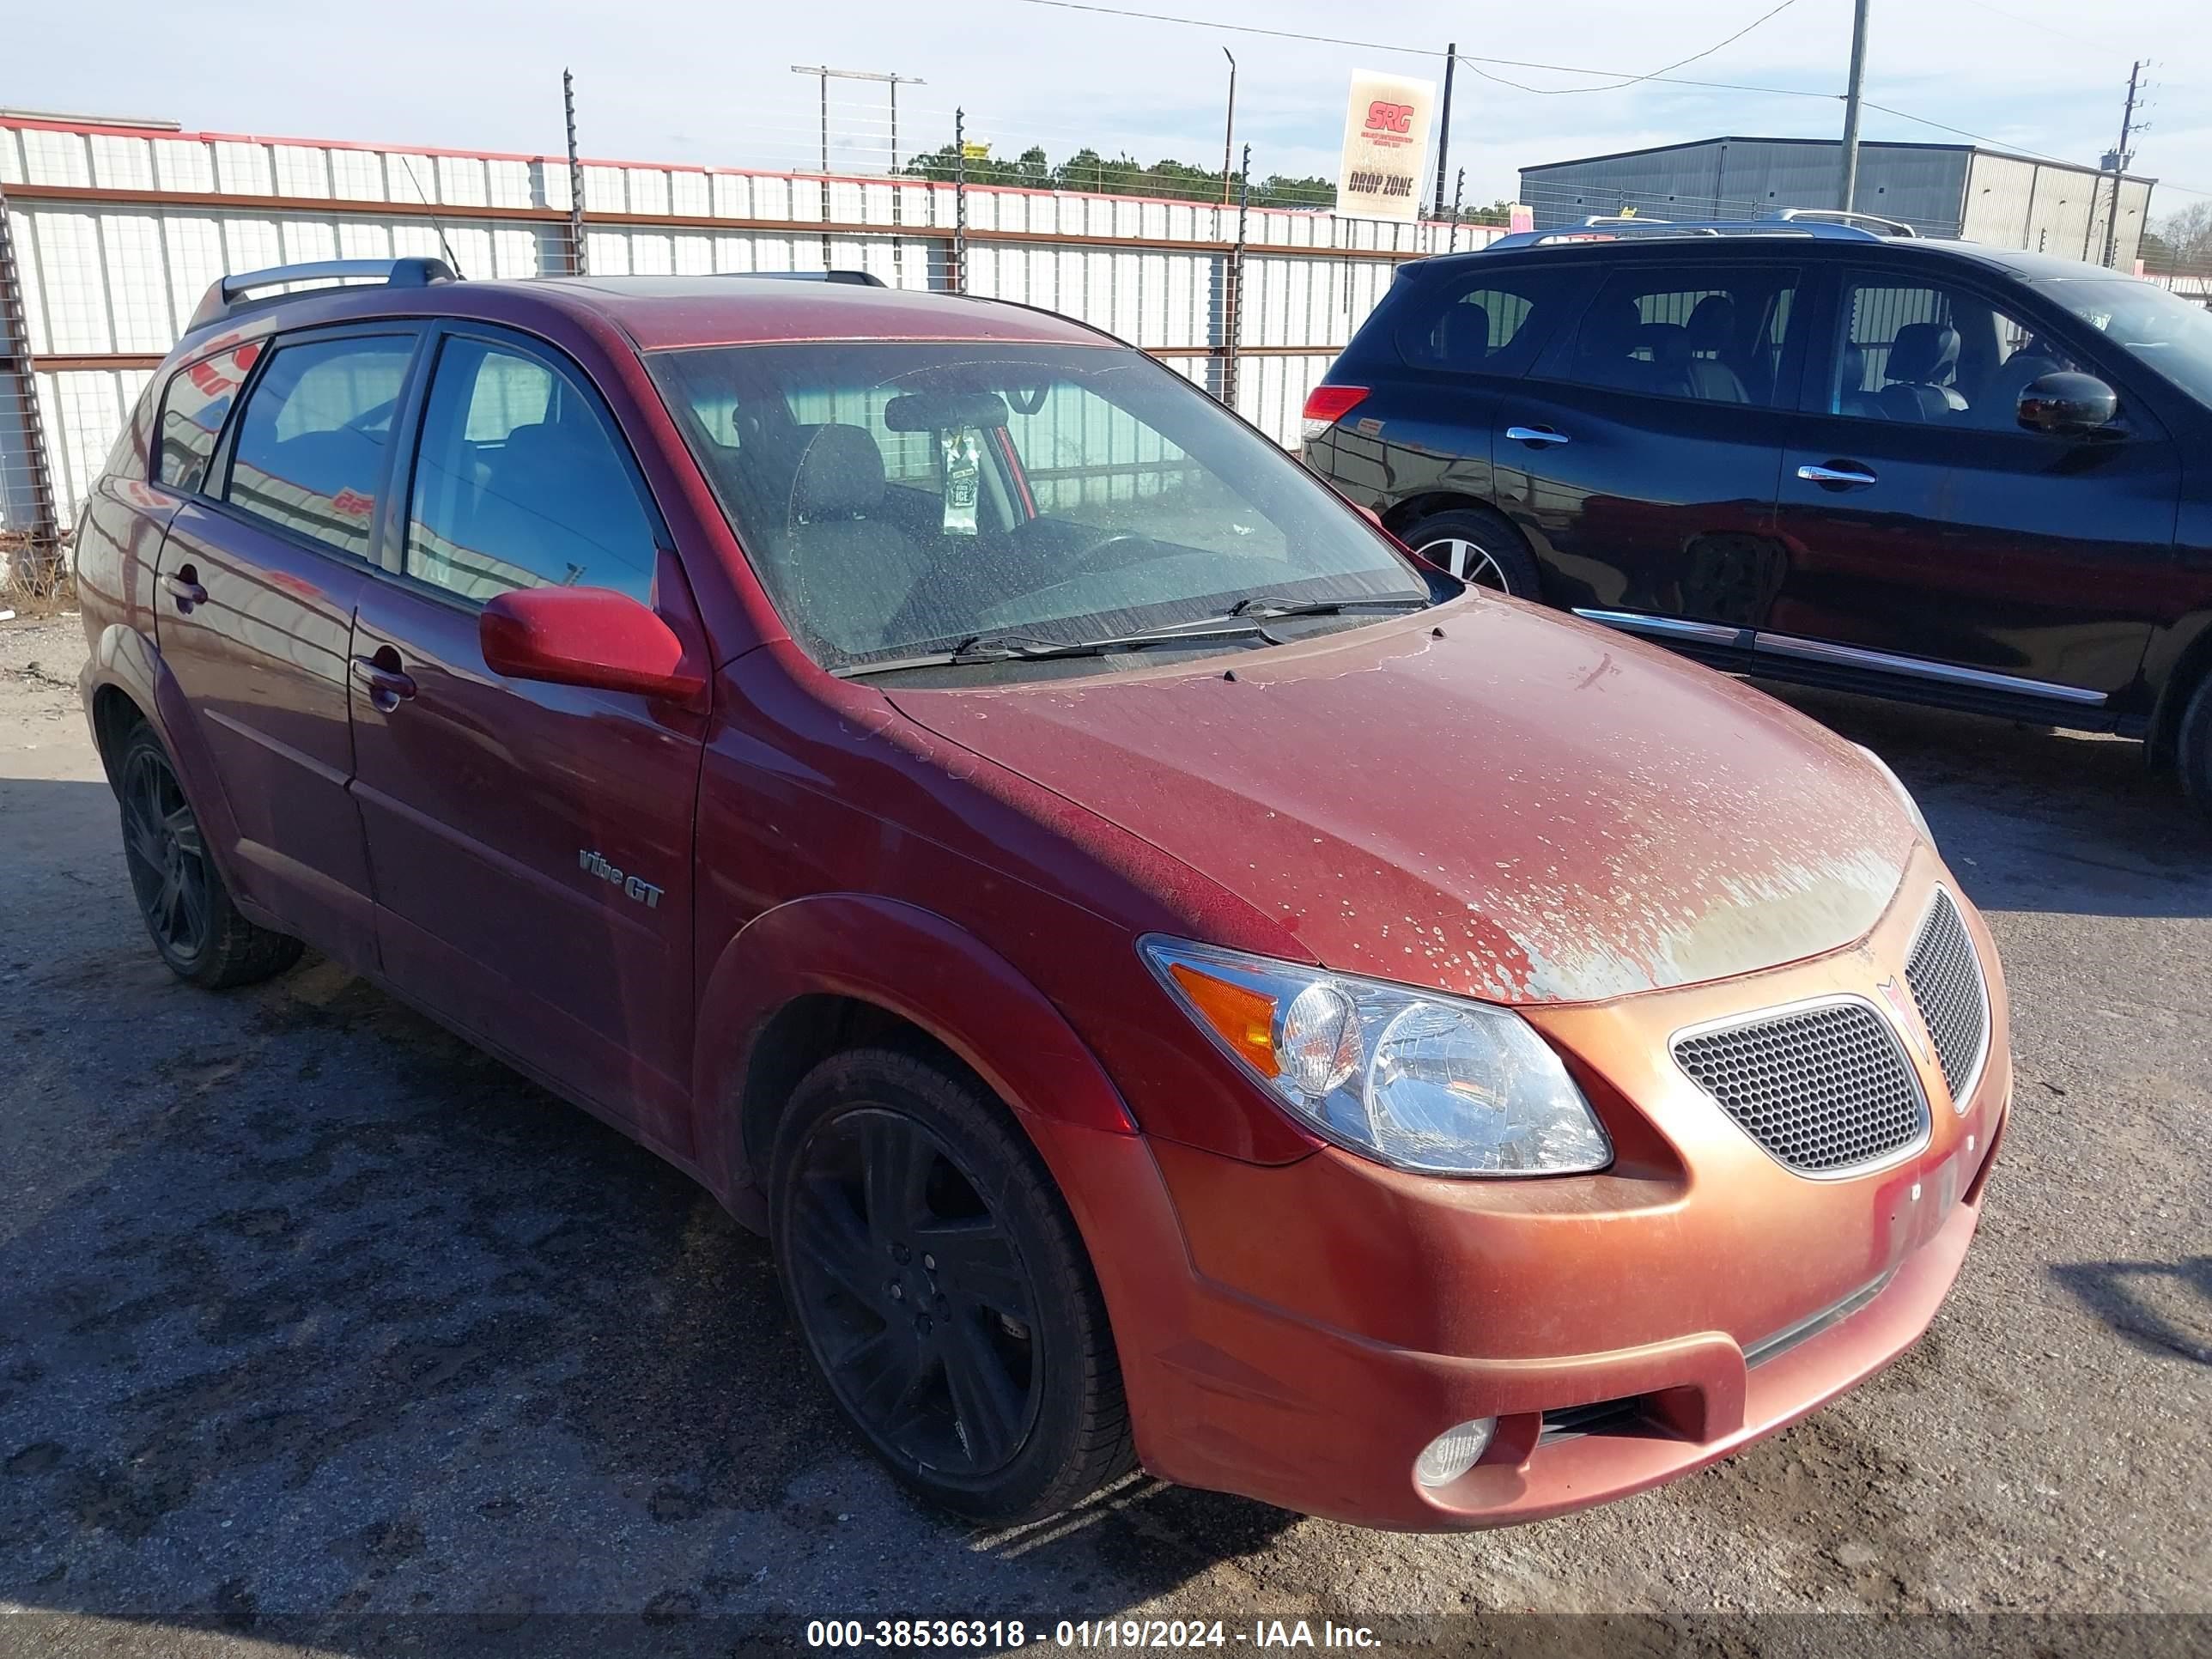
(2192, 748)
(186, 909)
(1480, 546)
(942, 1289)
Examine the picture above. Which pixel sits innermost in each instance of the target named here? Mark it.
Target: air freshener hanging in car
(963, 478)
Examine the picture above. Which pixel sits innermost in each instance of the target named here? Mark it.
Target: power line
(1665, 70)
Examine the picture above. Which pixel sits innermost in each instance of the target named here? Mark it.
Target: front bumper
(1298, 1333)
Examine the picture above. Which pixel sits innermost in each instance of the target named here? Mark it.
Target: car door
(1420, 432)
(263, 563)
(1933, 539)
(530, 843)
(1640, 455)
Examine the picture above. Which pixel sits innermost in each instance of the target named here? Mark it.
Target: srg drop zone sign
(1386, 144)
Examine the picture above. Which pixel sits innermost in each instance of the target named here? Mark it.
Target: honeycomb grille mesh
(1822, 1089)
(1947, 987)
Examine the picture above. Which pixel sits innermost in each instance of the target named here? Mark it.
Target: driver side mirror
(2067, 404)
(587, 636)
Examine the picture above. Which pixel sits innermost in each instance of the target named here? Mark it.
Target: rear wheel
(2192, 749)
(186, 909)
(943, 1291)
(1479, 546)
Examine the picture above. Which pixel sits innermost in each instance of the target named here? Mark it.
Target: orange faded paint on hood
(1528, 809)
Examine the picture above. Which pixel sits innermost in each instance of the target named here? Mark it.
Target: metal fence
(116, 233)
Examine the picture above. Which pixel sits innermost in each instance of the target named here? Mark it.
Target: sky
(709, 81)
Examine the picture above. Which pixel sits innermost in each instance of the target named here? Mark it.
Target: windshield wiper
(1014, 648)
(1265, 607)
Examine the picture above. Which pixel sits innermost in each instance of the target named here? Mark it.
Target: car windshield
(2174, 336)
(992, 500)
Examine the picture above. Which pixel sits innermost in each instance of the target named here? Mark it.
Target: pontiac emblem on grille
(1908, 1017)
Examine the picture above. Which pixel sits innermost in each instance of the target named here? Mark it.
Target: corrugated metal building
(1941, 190)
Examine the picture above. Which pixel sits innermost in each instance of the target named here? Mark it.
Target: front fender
(909, 962)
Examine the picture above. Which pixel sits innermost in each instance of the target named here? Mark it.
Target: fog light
(1454, 1452)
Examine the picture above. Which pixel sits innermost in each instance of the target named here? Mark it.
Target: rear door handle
(1537, 434)
(183, 585)
(1847, 474)
(387, 686)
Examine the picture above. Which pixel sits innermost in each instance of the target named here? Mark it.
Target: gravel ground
(320, 1332)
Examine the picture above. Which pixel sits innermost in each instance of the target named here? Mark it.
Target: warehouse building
(1941, 190)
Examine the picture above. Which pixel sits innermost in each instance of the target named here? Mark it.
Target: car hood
(1485, 800)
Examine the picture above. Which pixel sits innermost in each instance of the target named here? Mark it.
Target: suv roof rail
(856, 278)
(1617, 229)
(230, 295)
(1873, 221)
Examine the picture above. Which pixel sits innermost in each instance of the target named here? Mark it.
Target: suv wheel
(2193, 750)
(187, 909)
(943, 1291)
(1478, 545)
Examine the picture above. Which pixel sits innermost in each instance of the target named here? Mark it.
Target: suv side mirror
(588, 636)
(2068, 405)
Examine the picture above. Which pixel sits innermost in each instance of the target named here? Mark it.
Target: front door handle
(1847, 474)
(1537, 434)
(184, 586)
(388, 687)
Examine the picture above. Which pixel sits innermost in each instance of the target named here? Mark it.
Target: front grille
(1824, 1088)
(1947, 987)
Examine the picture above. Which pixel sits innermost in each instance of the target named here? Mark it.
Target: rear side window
(1709, 333)
(518, 484)
(1489, 324)
(193, 406)
(314, 435)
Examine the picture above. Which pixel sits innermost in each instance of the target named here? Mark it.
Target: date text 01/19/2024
(1262, 1635)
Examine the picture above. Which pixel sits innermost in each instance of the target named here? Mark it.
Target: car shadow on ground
(2035, 820)
(2164, 1308)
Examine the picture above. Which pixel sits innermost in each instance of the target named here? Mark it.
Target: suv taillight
(1326, 405)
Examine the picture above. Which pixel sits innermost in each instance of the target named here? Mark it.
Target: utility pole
(1444, 126)
(2116, 162)
(1851, 189)
(1228, 134)
(575, 179)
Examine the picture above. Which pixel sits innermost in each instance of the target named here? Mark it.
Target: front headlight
(1911, 806)
(1415, 1080)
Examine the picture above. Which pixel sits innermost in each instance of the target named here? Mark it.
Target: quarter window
(1492, 325)
(313, 435)
(518, 484)
(1706, 333)
(193, 406)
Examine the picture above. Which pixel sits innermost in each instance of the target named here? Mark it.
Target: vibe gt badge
(643, 892)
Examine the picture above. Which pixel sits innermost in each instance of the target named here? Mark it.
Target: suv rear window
(312, 437)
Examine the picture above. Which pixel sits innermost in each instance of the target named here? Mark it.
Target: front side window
(899, 498)
(518, 484)
(1935, 355)
(1711, 334)
(313, 436)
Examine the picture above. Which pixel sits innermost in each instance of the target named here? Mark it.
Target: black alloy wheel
(168, 860)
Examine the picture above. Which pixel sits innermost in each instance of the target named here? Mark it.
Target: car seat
(849, 573)
(1916, 379)
(1710, 335)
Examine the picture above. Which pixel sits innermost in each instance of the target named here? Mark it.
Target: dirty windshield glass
(2174, 336)
(901, 498)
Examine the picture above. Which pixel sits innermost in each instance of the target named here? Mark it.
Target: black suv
(1814, 451)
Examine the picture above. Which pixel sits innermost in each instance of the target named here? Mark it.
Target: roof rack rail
(854, 278)
(1609, 230)
(230, 295)
(1873, 221)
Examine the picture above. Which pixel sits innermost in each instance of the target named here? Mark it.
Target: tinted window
(1709, 333)
(1493, 323)
(313, 434)
(1073, 494)
(193, 405)
(2174, 336)
(1933, 354)
(518, 484)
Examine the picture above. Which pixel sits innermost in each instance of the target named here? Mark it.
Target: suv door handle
(1537, 434)
(183, 585)
(387, 686)
(1849, 474)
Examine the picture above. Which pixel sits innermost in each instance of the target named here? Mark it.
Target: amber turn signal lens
(1244, 1018)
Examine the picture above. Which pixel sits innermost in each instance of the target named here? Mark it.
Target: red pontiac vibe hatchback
(1179, 981)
